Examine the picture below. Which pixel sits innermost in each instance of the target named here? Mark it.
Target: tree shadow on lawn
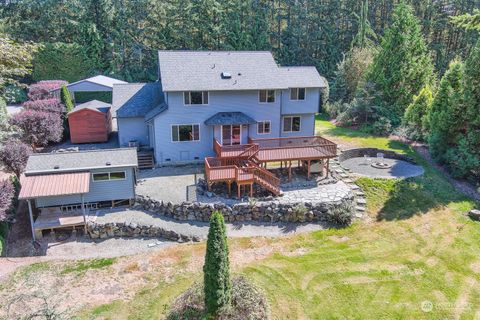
(414, 196)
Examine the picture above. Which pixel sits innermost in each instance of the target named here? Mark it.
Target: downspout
(281, 113)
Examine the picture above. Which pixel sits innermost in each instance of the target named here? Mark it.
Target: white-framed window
(195, 98)
(263, 127)
(297, 94)
(185, 132)
(292, 123)
(109, 176)
(266, 96)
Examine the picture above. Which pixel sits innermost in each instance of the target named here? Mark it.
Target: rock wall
(372, 152)
(118, 229)
(339, 212)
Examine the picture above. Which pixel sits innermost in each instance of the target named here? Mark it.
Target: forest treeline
(121, 37)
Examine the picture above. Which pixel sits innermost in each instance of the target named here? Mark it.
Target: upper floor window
(107, 176)
(185, 132)
(297, 94)
(291, 124)
(263, 127)
(266, 96)
(195, 97)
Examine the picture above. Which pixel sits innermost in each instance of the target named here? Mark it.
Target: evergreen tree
(465, 159)
(416, 114)
(365, 36)
(402, 66)
(66, 99)
(216, 271)
(447, 116)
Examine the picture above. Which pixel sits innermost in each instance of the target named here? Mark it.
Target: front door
(231, 134)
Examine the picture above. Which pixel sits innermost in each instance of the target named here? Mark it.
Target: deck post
(238, 190)
(308, 170)
(84, 216)
(31, 219)
(229, 184)
(328, 161)
(290, 170)
(251, 190)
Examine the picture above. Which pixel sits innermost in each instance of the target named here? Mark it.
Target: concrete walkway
(200, 229)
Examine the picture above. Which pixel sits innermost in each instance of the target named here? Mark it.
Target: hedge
(66, 61)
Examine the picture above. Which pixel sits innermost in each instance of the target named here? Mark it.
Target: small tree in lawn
(216, 271)
(66, 99)
(14, 156)
(38, 128)
(415, 117)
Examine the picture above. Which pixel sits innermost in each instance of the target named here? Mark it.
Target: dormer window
(195, 97)
(266, 96)
(297, 94)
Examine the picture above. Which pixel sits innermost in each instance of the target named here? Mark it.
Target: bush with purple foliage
(41, 89)
(7, 192)
(39, 127)
(14, 156)
(48, 105)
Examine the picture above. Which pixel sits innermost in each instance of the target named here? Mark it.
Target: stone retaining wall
(372, 152)
(340, 212)
(118, 229)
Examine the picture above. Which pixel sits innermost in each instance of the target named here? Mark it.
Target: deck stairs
(261, 176)
(146, 160)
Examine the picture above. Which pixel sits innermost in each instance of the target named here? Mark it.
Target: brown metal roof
(54, 185)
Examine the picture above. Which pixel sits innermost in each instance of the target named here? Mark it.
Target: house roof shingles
(228, 118)
(135, 99)
(249, 70)
(81, 160)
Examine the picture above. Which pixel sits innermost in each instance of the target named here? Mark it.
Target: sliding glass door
(231, 134)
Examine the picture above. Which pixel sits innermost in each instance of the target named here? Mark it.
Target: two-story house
(224, 95)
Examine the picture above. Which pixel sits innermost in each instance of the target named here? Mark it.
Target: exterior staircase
(146, 160)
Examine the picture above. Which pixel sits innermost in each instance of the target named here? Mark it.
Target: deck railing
(250, 151)
(265, 175)
(317, 142)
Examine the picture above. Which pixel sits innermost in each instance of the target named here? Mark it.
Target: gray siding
(99, 191)
(309, 105)
(226, 101)
(132, 129)
(86, 86)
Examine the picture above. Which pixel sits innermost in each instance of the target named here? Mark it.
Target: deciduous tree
(38, 128)
(14, 155)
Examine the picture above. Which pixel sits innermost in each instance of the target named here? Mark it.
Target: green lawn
(416, 248)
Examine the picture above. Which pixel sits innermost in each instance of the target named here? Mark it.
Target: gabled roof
(135, 99)
(248, 70)
(94, 105)
(103, 83)
(156, 111)
(81, 160)
(227, 118)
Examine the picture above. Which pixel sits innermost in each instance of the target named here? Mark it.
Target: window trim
(291, 131)
(266, 101)
(263, 121)
(298, 100)
(184, 124)
(109, 179)
(190, 98)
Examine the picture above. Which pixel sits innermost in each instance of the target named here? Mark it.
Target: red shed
(90, 122)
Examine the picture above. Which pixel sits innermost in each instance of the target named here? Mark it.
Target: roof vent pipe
(226, 75)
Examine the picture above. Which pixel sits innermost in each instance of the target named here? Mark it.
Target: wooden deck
(53, 218)
(243, 164)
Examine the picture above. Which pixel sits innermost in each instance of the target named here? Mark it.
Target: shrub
(59, 60)
(38, 128)
(216, 270)
(14, 156)
(334, 109)
(15, 94)
(48, 105)
(415, 118)
(66, 99)
(42, 89)
(248, 302)
(7, 193)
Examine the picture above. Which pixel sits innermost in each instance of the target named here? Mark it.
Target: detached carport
(56, 185)
(93, 84)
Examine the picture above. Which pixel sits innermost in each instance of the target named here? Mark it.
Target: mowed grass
(417, 257)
